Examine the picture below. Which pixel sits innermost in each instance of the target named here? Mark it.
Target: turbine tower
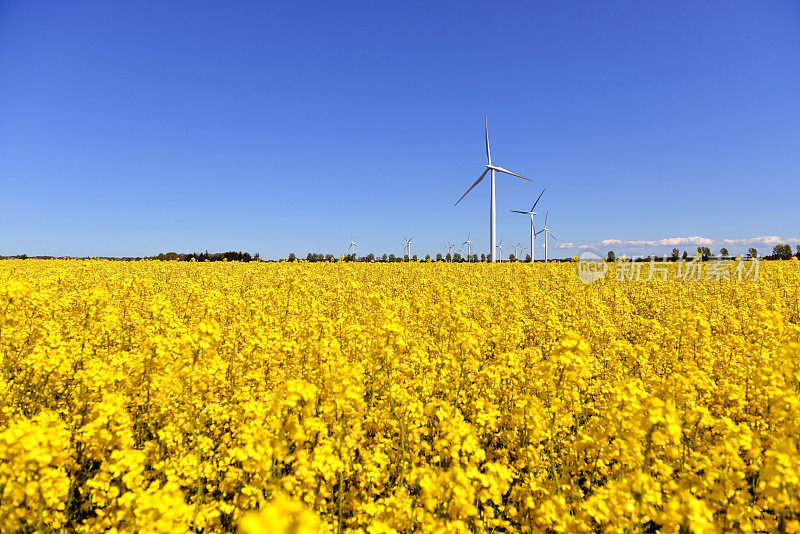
(500, 246)
(533, 228)
(407, 247)
(515, 250)
(493, 168)
(546, 231)
(468, 242)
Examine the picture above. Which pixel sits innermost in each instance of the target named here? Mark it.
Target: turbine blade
(537, 200)
(551, 235)
(545, 218)
(539, 232)
(473, 186)
(488, 154)
(517, 211)
(512, 173)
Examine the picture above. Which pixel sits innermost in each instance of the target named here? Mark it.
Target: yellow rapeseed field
(296, 397)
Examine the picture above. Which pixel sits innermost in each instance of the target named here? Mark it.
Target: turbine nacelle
(506, 171)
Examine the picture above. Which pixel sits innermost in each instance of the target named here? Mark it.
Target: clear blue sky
(131, 128)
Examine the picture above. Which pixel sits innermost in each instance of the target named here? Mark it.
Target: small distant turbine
(468, 242)
(493, 168)
(533, 228)
(449, 246)
(407, 247)
(352, 246)
(500, 247)
(515, 250)
(546, 231)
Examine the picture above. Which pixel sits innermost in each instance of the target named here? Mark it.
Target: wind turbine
(515, 250)
(493, 168)
(449, 246)
(533, 228)
(352, 246)
(468, 242)
(500, 246)
(407, 247)
(546, 231)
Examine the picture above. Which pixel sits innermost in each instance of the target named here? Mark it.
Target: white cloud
(764, 240)
(566, 244)
(694, 240)
(687, 241)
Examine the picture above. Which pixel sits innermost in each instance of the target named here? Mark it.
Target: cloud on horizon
(687, 241)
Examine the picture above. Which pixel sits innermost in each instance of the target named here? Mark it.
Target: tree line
(779, 252)
(391, 258)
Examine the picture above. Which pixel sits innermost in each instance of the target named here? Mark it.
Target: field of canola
(295, 397)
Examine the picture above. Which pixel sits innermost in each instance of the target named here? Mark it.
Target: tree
(723, 252)
(685, 255)
(783, 252)
(415, 258)
(370, 257)
(528, 258)
(705, 252)
(611, 256)
(292, 257)
(427, 257)
(752, 253)
(391, 257)
(449, 257)
(483, 257)
(384, 257)
(511, 257)
(675, 254)
(439, 257)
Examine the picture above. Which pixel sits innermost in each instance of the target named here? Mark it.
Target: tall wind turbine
(468, 242)
(407, 247)
(352, 246)
(546, 231)
(533, 228)
(493, 168)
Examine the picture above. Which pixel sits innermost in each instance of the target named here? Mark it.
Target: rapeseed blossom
(332, 397)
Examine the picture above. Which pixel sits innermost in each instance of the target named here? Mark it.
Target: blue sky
(134, 128)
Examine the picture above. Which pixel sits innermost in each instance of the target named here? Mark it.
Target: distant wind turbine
(407, 247)
(500, 246)
(493, 168)
(468, 242)
(352, 246)
(533, 228)
(546, 231)
(449, 246)
(515, 250)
